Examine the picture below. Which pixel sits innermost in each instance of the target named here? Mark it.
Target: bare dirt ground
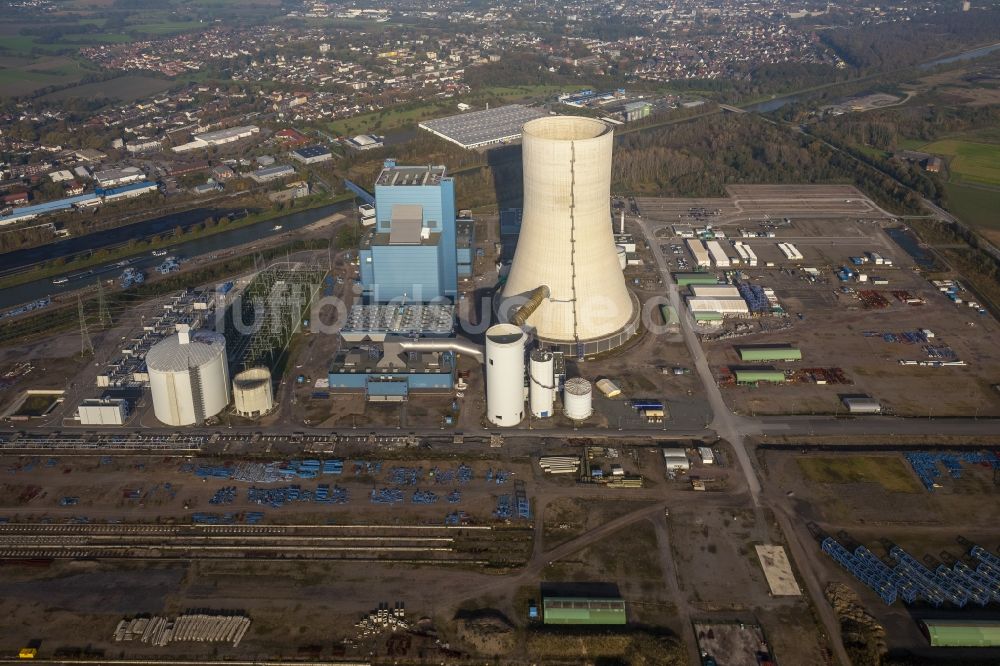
(925, 524)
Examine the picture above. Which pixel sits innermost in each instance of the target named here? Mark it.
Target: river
(214, 243)
(777, 102)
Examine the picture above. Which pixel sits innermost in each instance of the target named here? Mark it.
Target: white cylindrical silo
(622, 256)
(505, 374)
(578, 398)
(188, 376)
(566, 242)
(252, 392)
(541, 383)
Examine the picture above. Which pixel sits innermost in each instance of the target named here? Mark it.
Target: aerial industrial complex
(467, 434)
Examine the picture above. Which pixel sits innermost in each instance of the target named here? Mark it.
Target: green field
(388, 119)
(977, 206)
(21, 78)
(969, 161)
(125, 88)
(889, 472)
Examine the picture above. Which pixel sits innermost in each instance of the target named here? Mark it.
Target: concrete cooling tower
(566, 281)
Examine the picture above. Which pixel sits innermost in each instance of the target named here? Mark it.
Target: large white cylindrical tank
(541, 383)
(188, 376)
(566, 241)
(578, 398)
(505, 374)
(252, 392)
(622, 256)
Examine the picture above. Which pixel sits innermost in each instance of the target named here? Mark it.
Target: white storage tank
(505, 374)
(541, 383)
(578, 398)
(622, 256)
(252, 392)
(188, 376)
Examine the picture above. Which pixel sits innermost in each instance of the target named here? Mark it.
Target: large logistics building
(719, 257)
(573, 610)
(411, 253)
(724, 306)
(715, 291)
(698, 251)
(481, 129)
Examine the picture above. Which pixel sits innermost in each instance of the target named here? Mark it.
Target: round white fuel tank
(505, 374)
(578, 399)
(188, 376)
(253, 395)
(541, 384)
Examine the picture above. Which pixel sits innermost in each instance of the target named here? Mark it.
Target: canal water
(147, 263)
(908, 241)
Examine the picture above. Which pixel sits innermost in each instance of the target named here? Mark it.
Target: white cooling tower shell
(541, 383)
(252, 392)
(505, 374)
(566, 242)
(188, 377)
(578, 395)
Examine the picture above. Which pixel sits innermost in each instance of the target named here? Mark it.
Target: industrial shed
(725, 306)
(676, 459)
(715, 291)
(685, 279)
(861, 404)
(757, 375)
(959, 633)
(572, 610)
(769, 353)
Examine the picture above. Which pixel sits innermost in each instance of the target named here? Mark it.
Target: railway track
(421, 544)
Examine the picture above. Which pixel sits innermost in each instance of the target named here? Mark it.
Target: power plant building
(411, 255)
(188, 376)
(388, 370)
(565, 283)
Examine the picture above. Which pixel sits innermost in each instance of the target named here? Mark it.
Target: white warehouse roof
(721, 305)
(715, 291)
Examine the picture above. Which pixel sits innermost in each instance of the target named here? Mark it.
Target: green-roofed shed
(580, 610)
(769, 353)
(670, 317)
(685, 279)
(755, 375)
(962, 633)
(705, 315)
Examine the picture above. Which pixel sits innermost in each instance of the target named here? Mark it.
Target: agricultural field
(126, 88)
(889, 472)
(977, 206)
(969, 161)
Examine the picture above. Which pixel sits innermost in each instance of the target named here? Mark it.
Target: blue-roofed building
(411, 253)
(369, 367)
(29, 212)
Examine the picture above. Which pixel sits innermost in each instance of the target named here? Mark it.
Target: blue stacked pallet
(454, 497)
(423, 497)
(464, 473)
(333, 467)
(862, 571)
(225, 495)
(405, 476)
(754, 297)
(253, 517)
(934, 589)
(386, 496)
(983, 585)
(503, 508)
